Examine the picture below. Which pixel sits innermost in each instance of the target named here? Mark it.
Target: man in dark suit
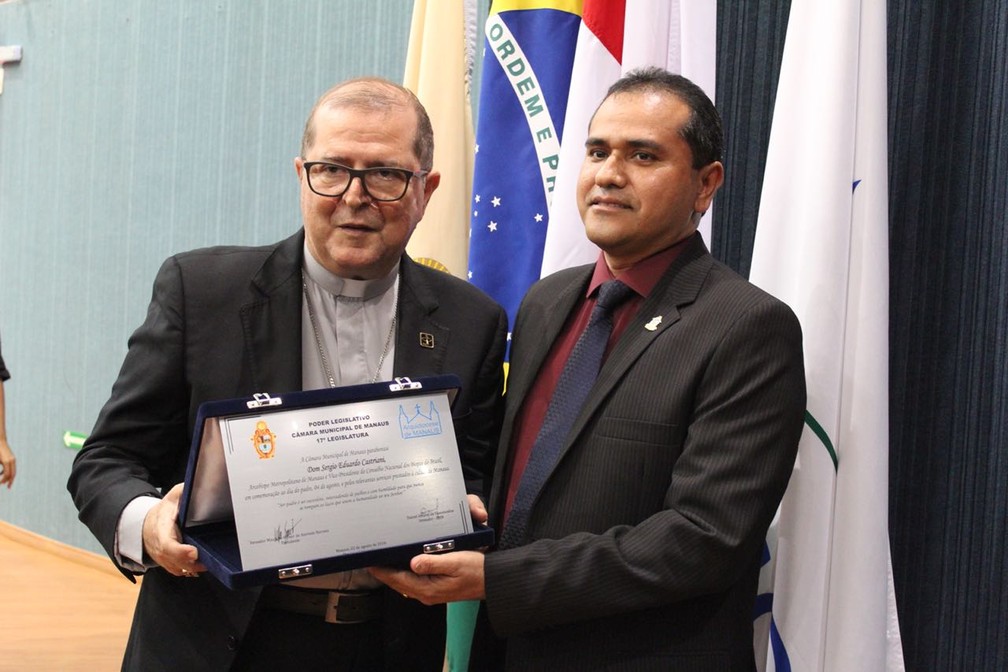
(337, 303)
(639, 547)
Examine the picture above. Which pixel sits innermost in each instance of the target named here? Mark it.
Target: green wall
(132, 130)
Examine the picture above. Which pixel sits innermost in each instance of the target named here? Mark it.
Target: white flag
(822, 247)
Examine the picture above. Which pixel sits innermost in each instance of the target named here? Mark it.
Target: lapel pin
(653, 324)
(426, 340)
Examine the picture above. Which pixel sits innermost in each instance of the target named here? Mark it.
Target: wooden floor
(61, 608)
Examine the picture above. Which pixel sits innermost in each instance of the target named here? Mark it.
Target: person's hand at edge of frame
(8, 464)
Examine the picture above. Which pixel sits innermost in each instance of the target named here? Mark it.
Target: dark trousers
(282, 640)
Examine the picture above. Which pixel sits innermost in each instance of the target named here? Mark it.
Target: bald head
(376, 95)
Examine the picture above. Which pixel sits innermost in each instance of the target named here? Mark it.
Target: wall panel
(130, 131)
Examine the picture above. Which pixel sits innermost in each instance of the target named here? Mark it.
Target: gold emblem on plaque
(264, 441)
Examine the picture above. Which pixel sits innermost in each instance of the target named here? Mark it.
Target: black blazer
(225, 322)
(645, 540)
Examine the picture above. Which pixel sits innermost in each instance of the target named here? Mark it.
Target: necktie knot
(610, 295)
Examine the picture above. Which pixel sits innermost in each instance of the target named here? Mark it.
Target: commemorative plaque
(308, 483)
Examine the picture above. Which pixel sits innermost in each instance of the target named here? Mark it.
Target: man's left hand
(436, 579)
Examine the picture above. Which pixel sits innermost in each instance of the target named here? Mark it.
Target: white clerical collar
(346, 287)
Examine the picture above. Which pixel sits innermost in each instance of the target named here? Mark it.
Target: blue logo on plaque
(420, 423)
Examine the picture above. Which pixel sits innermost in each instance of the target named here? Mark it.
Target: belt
(347, 606)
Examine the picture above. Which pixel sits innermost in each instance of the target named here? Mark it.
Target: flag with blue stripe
(523, 100)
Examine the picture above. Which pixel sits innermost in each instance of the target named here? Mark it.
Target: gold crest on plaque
(264, 441)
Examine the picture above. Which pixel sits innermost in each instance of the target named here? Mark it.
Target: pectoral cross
(10, 54)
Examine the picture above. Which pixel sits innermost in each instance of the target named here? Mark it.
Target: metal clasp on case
(404, 383)
(439, 546)
(260, 399)
(294, 572)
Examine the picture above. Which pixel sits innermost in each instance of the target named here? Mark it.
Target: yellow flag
(438, 70)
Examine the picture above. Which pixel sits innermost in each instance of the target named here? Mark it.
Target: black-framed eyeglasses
(381, 183)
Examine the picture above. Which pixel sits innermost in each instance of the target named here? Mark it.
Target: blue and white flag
(523, 99)
(822, 246)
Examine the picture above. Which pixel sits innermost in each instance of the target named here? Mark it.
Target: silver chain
(327, 369)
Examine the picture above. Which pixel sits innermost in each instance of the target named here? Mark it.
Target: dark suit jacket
(225, 322)
(644, 542)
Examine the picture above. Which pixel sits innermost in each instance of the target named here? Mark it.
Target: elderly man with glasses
(337, 303)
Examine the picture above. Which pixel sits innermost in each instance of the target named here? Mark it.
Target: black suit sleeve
(139, 442)
(470, 336)
(478, 430)
(492, 403)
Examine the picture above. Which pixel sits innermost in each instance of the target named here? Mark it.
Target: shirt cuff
(129, 535)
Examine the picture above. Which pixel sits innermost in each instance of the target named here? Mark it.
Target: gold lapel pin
(426, 340)
(653, 324)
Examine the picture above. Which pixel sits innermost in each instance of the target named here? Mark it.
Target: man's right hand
(163, 542)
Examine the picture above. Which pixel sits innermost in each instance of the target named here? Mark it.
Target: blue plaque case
(206, 513)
